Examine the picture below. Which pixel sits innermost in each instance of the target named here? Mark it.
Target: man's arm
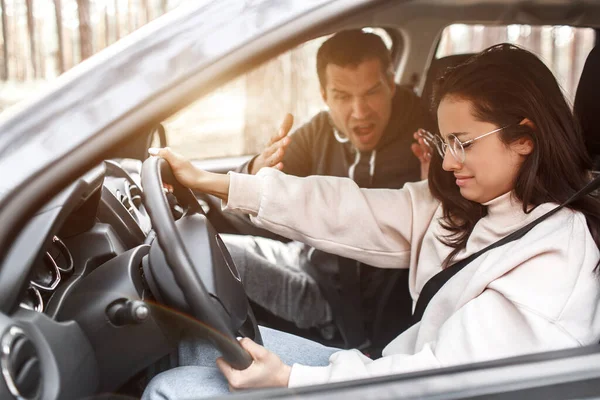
(272, 156)
(299, 155)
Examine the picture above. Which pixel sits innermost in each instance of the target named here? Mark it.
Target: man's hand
(267, 370)
(422, 151)
(273, 153)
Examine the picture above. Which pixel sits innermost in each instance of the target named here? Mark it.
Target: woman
(509, 152)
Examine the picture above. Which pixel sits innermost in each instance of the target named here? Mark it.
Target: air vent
(56, 265)
(131, 199)
(46, 275)
(136, 195)
(61, 255)
(33, 299)
(20, 364)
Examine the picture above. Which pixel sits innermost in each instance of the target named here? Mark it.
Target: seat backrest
(587, 105)
(436, 69)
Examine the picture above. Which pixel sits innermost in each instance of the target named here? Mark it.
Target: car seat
(587, 107)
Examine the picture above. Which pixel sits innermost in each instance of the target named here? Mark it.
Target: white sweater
(535, 294)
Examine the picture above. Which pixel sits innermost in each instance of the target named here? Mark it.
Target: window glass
(242, 115)
(564, 49)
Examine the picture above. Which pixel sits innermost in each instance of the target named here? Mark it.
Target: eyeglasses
(457, 148)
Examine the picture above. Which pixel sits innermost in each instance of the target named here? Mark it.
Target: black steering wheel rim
(155, 171)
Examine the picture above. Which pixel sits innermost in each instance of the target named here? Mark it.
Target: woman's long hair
(504, 85)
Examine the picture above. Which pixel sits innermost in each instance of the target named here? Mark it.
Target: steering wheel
(205, 278)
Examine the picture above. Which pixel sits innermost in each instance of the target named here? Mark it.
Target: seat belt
(434, 284)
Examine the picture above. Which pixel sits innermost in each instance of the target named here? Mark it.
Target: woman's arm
(192, 177)
(375, 226)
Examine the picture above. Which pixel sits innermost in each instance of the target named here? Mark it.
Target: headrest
(587, 105)
(436, 69)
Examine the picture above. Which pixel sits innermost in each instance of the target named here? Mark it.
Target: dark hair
(350, 48)
(504, 85)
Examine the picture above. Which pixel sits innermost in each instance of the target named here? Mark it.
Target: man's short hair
(350, 48)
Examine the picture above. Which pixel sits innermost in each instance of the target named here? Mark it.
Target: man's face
(360, 101)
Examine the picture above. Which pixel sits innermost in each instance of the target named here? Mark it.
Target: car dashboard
(101, 216)
(99, 220)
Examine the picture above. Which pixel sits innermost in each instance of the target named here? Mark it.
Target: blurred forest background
(42, 39)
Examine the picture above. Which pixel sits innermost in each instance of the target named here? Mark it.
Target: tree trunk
(117, 21)
(130, 17)
(576, 67)
(106, 27)
(18, 55)
(31, 31)
(145, 10)
(535, 40)
(493, 35)
(265, 89)
(85, 28)
(69, 48)
(554, 59)
(302, 91)
(41, 48)
(60, 52)
(5, 68)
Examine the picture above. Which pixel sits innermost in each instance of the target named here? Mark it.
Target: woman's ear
(524, 145)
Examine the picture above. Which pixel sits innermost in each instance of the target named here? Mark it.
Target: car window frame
(574, 371)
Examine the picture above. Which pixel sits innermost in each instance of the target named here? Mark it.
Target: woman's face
(490, 166)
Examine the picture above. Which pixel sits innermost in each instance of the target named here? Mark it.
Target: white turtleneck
(535, 294)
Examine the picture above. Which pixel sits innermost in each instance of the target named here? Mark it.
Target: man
(365, 135)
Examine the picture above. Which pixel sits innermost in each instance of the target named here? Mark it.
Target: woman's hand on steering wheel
(266, 370)
(190, 176)
(183, 170)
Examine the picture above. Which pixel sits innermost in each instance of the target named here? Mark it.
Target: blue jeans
(198, 377)
(275, 278)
